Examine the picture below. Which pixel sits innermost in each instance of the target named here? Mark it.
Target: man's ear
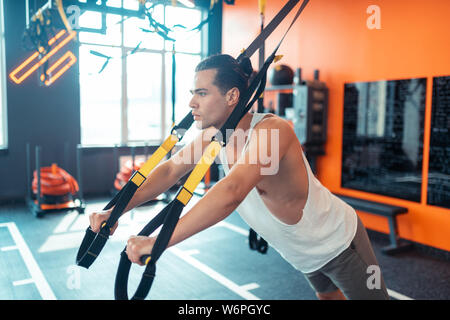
(232, 96)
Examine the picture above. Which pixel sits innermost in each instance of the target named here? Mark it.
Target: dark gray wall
(50, 117)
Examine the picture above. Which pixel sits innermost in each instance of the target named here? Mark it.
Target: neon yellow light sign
(18, 75)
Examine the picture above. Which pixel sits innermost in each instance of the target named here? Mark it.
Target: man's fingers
(93, 222)
(97, 218)
(135, 249)
(130, 248)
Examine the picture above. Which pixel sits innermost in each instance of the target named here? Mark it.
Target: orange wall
(332, 36)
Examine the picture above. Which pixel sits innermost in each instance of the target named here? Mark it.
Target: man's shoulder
(271, 120)
(274, 122)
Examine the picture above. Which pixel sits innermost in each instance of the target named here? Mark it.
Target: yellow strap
(202, 166)
(138, 179)
(158, 155)
(277, 58)
(184, 196)
(262, 6)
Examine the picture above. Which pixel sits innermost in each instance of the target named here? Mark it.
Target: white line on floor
(214, 275)
(62, 242)
(250, 286)
(397, 295)
(232, 227)
(22, 282)
(9, 248)
(36, 274)
(66, 222)
(191, 252)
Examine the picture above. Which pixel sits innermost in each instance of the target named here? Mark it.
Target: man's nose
(192, 103)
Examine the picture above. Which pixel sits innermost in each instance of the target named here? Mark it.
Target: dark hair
(230, 72)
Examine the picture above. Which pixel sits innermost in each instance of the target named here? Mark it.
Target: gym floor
(37, 261)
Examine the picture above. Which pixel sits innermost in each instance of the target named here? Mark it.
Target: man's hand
(137, 246)
(97, 218)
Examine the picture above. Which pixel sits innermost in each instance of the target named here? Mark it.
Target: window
(126, 75)
(439, 163)
(3, 131)
(383, 137)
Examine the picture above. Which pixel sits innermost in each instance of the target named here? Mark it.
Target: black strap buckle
(257, 243)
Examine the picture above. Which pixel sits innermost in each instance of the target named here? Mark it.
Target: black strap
(173, 210)
(260, 79)
(265, 33)
(121, 282)
(93, 243)
(257, 243)
(183, 126)
(258, 84)
(168, 217)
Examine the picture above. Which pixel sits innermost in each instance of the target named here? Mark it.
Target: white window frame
(124, 100)
(3, 101)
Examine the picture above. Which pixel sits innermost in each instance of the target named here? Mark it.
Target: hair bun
(246, 66)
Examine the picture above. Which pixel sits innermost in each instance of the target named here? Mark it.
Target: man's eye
(202, 94)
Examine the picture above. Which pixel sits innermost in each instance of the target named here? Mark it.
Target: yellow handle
(199, 172)
(262, 6)
(158, 155)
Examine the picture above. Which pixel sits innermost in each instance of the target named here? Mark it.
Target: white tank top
(327, 227)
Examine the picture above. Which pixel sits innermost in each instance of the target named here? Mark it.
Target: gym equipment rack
(36, 203)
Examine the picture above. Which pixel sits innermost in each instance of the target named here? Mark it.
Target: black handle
(145, 259)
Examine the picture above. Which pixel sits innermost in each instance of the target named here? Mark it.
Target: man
(270, 185)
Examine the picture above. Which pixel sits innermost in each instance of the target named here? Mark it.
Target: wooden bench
(385, 210)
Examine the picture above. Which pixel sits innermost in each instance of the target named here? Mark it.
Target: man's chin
(200, 125)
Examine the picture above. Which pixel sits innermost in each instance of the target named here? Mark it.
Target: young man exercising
(270, 184)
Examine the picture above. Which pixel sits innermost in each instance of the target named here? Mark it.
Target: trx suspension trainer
(93, 242)
(169, 216)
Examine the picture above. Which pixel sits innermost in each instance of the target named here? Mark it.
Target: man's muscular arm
(164, 176)
(274, 135)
